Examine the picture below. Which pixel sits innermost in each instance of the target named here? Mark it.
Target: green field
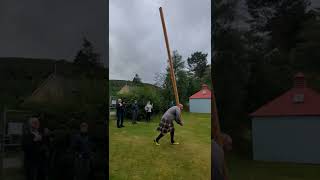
(244, 169)
(133, 156)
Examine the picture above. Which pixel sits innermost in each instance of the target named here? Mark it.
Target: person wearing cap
(83, 151)
(166, 123)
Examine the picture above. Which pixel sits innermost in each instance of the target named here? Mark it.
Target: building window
(298, 98)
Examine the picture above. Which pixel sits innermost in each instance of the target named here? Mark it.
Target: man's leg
(122, 117)
(172, 136)
(159, 137)
(118, 120)
(134, 117)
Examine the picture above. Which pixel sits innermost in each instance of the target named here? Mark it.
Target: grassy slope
(21, 76)
(133, 156)
(116, 85)
(243, 169)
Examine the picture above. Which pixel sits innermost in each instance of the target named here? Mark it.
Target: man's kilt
(165, 126)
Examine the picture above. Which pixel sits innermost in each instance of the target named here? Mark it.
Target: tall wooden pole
(172, 75)
(215, 121)
(215, 129)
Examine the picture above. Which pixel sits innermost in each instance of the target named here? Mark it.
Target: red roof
(204, 93)
(298, 101)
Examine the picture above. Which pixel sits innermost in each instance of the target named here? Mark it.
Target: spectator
(148, 109)
(33, 151)
(120, 113)
(135, 109)
(171, 104)
(82, 148)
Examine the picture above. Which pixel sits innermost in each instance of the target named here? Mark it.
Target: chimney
(299, 83)
(299, 80)
(204, 89)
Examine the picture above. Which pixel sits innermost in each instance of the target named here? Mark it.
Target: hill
(21, 76)
(116, 85)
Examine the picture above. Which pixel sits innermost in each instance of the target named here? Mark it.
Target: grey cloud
(136, 41)
(51, 29)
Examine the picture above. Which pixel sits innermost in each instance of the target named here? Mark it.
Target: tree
(136, 80)
(197, 64)
(306, 55)
(182, 77)
(280, 20)
(86, 55)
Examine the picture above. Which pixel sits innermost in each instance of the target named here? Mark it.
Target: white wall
(200, 105)
(288, 139)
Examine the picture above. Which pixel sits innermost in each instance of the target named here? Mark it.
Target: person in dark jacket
(120, 113)
(83, 151)
(171, 104)
(135, 110)
(33, 151)
(166, 123)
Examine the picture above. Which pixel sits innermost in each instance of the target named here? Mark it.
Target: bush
(143, 94)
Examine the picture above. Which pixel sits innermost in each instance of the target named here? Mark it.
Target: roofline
(279, 115)
(198, 98)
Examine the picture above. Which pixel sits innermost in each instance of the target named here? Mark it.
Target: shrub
(143, 94)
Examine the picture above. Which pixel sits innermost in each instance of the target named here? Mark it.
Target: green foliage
(197, 64)
(86, 56)
(280, 19)
(143, 94)
(116, 85)
(188, 82)
(253, 66)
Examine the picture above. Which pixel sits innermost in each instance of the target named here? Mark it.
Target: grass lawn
(133, 156)
(244, 169)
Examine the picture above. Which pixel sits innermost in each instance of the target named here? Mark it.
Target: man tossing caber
(166, 123)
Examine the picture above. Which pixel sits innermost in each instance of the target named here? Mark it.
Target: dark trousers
(34, 169)
(148, 116)
(120, 117)
(134, 117)
(82, 169)
(171, 137)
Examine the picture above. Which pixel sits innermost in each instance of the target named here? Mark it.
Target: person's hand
(181, 123)
(37, 138)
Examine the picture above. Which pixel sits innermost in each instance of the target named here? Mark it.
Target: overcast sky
(52, 29)
(136, 41)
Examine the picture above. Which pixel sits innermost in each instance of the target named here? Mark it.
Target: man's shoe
(156, 143)
(175, 143)
(122, 126)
